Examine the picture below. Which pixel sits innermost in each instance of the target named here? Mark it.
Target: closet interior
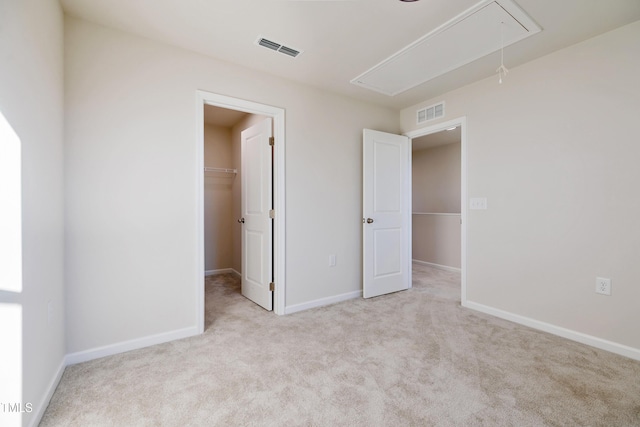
(222, 187)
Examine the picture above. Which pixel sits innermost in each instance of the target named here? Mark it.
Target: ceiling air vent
(269, 44)
(289, 51)
(430, 113)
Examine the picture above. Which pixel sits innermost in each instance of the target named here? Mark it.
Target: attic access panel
(475, 33)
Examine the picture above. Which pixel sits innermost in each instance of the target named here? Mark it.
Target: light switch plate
(332, 260)
(478, 203)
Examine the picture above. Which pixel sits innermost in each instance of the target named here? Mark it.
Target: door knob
(369, 220)
(241, 220)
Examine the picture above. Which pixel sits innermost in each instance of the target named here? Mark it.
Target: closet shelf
(221, 170)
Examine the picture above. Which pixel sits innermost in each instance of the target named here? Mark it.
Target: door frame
(462, 122)
(279, 241)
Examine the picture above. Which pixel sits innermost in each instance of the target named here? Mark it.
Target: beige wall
(131, 189)
(436, 238)
(554, 149)
(218, 199)
(31, 99)
(436, 179)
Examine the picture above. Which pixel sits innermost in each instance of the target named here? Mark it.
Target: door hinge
(272, 213)
(272, 141)
(272, 286)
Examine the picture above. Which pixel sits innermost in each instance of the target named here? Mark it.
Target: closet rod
(223, 170)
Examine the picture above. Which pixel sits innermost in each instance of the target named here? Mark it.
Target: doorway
(435, 203)
(277, 115)
(442, 217)
(384, 176)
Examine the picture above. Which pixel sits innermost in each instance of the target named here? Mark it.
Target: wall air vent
(475, 33)
(278, 47)
(430, 113)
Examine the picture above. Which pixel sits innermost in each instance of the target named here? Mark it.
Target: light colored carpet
(413, 358)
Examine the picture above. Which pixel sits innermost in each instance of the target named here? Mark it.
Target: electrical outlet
(603, 286)
(332, 260)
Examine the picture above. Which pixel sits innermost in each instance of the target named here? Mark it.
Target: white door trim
(278, 115)
(461, 121)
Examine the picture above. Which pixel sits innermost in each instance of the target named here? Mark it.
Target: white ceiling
(341, 39)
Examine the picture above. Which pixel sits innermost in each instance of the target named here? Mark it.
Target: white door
(257, 225)
(386, 213)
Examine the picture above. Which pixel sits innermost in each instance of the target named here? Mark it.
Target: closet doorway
(439, 198)
(230, 158)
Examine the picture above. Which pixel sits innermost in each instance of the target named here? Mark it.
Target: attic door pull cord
(502, 70)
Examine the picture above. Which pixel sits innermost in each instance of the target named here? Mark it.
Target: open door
(386, 213)
(256, 221)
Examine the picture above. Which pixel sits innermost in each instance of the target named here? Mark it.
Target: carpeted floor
(413, 358)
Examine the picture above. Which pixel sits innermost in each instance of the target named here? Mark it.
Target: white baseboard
(438, 266)
(322, 302)
(623, 350)
(41, 407)
(121, 347)
(221, 271)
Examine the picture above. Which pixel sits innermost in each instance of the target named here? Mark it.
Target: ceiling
(436, 139)
(341, 39)
(222, 117)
